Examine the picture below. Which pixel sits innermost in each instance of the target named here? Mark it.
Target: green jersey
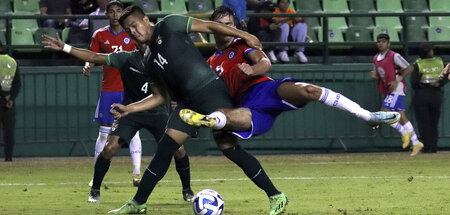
(174, 62)
(134, 77)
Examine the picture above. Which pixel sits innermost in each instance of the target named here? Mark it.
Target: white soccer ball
(208, 202)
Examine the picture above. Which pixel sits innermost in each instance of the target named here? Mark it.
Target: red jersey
(387, 71)
(225, 64)
(105, 41)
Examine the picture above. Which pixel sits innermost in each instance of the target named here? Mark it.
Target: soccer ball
(208, 202)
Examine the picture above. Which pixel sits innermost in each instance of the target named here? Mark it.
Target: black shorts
(127, 127)
(212, 97)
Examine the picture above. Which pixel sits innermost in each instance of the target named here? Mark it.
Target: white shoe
(94, 196)
(301, 57)
(283, 56)
(272, 57)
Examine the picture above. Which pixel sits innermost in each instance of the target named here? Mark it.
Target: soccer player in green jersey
(136, 88)
(180, 71)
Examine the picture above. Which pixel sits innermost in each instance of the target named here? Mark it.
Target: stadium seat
(336, 6)
(65, 34)
(416, 34)
(415, 5)
(362, 6)
(41, 31)
(389, 6)
(149, 6)
(312, 22)
(21, 37)
(389, 21)
(361, 22)
(217, 3)
(337, 22)
(30, 24)
(439, 5)
(173, 6)
(312, 35)
(3, 24)
(3, 37)
(200, 6)
(28, 6)
(358, 34)
(211, 38)
(334, 35)
(392, 32)
(308, 6)
(5, 7)
(438, 33)
(440, 21)
(420, 21)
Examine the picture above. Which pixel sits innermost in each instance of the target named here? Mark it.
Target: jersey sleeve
(117, 59)
(400, 61)
(178, 23)
(95, 44)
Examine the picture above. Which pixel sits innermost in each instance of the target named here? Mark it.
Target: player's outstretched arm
(209, 27)
(152, 101)
(57, 44)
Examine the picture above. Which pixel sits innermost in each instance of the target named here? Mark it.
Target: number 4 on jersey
(144, 88)
(161, 61)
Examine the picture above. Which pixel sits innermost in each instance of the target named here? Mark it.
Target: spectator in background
(80, 7)
(55, 7)
(254, 4)
(240, 8)
(390, 70)
(9, 88)
(96, 23)
(294, 25)
(427, 81)
(265, 29)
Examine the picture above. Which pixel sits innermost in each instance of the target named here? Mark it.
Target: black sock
(252, 168)
(182, 166)
(157, 168)
(101, 168)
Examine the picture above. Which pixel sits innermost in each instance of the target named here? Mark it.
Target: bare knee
(311, 92)
(225, 140)
(180, 153)
(110, 148)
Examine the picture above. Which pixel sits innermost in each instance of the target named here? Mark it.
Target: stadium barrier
(56, 105)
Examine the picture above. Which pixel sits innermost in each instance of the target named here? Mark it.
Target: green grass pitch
(374, 183)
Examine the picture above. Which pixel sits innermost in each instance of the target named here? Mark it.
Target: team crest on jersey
(159, 40)
(114, 125)
(231, 55)
(126, 40)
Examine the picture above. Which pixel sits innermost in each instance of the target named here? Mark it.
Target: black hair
(266, 6)
(425, 48)
(114, 2)
(222, 11)
(383, 36)
(131, 10)
(278, 1)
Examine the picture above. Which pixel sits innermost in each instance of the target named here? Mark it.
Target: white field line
(239, 179)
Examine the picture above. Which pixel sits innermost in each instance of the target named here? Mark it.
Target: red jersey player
(243, 70)
(112, 38)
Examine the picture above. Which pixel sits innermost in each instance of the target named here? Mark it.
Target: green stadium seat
(65, 34)
(362, 6)
(439, 5)
(41, 31)
(5, 7)
(211, 38)
(358, 34)
(21, 37)
(420, 21)
(30, 24)
(200, 6)
(392, 32)
(217, 3)
(173, 6)
(308, 6)
(335, 6)
(3, 37)
(312, 22)
(416, 34)
(361, 22)
(439, 20)
(28, 6)
(415, 5)
(438, 33)
(334, 35)
(148, 6)
(312, 35)
(389, 6)
(3, 24)
(389, 21)
(337, 22)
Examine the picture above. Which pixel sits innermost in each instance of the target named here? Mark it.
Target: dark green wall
(56, 105)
